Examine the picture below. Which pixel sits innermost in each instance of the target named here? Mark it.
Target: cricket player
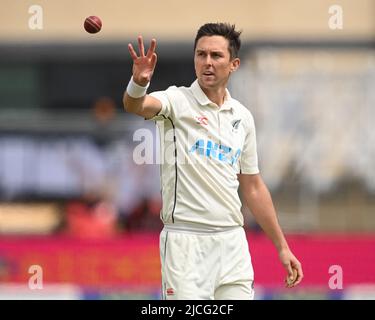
(209, 150)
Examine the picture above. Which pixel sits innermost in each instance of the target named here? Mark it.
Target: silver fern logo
(235, 124)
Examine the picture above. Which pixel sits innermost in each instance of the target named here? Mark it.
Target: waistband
(198, 229)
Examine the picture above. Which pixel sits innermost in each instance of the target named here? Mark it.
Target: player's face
(213, 63)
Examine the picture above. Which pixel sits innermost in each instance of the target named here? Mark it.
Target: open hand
(143, 65)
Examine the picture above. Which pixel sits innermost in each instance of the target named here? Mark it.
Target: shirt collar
(203, 99)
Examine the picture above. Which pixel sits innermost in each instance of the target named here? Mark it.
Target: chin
(207, 84)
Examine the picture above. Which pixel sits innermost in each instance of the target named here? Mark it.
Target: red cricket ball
(92, 24)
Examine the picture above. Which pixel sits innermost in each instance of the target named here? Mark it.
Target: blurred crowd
(313, 112)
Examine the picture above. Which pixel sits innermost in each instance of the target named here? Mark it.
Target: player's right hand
(143, 65)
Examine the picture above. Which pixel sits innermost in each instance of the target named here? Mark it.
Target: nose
(208, 60)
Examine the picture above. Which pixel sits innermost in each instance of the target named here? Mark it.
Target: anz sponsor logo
(210, 149)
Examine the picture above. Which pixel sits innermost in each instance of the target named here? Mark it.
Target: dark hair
(226, 30)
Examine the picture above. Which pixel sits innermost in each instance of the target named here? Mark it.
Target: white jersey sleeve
(169, 108)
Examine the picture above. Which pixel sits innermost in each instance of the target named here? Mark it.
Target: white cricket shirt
(203, 148)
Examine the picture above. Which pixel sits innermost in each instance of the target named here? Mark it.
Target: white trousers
(206, 266)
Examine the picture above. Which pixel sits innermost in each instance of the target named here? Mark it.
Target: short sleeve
(249, 156)
(165, 105)
(169, 103)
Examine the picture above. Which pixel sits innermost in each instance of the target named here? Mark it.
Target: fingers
(299, 276)
(150, 52)
(154, 58)
(132, 52)
(152, 48)
(296, 278)
(290, 277)
(141, 46)
(290, 271)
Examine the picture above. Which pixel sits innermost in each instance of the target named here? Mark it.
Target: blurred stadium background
(73, 201)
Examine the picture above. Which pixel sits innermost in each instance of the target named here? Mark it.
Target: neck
(216, 95)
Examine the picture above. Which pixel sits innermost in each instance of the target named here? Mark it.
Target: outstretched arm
(143, 69)
(258, 200)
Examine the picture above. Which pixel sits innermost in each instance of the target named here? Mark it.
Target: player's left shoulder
(242, 112)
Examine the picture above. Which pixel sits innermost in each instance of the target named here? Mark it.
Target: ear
(235, 63)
